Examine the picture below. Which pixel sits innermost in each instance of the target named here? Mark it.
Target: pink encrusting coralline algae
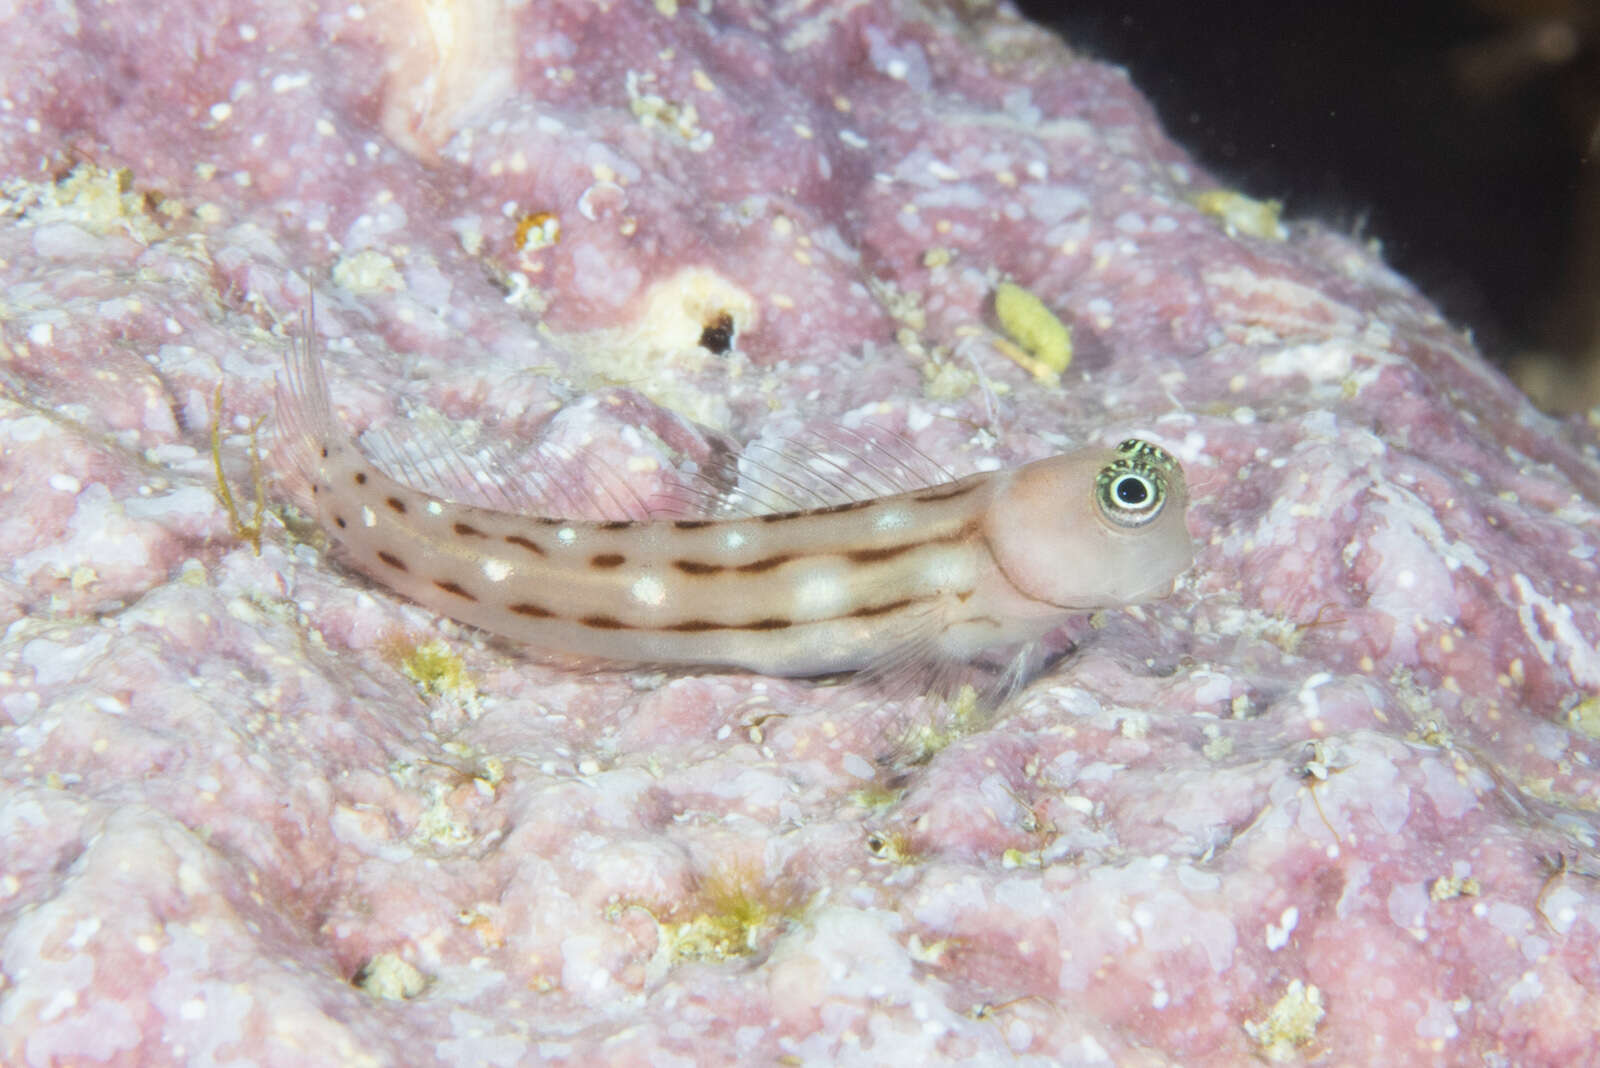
(266, 799)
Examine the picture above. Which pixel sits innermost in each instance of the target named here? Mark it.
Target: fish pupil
(1132, 491)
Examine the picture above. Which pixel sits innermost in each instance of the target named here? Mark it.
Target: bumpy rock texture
(1335, 800)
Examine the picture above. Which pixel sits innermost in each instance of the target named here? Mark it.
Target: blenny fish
(930, 576)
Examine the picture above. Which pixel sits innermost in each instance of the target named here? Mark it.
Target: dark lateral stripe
(397, 505)
(616, 524)
(847, 506)
(880, 609)
(392, 560)
(691, 524)
(467, 530)
(607, 560)
(526, 543)
(696, 567)
(697, 625)
(766, 564)
(451, 587)
(888, 552)
(832, 509)
(945, 493)
(533, 611)
(694, 626)
(604, 623)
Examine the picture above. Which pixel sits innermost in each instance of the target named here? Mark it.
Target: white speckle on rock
(1278, 933)
(858, 766)
(1408, 907)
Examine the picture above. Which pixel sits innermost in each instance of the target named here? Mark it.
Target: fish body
(936, 573)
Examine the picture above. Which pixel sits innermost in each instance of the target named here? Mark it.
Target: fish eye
(1129, 493)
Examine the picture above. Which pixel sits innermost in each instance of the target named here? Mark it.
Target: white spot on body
(733, 539)
(496, 570)
(435, 508)
(822, 593)
(892, 519)
(647, 589)
(567, 536)
(950, 569)
(368, 519)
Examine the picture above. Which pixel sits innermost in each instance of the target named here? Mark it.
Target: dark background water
(1462, 134)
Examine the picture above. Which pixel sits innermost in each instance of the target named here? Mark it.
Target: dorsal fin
(822, 467)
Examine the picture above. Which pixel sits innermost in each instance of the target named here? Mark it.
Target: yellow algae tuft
(1289, 1024)
(1584, 717)
(874, 795)
(246, 530)
(89, 197)
(733, 913)
(541, 229)
(928, 738)
(390, 977)
(368, 271)
(893, 846)
(655, 111)
(1241, 215)
(1449, 887)
(437, 671)
(1044, 338)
